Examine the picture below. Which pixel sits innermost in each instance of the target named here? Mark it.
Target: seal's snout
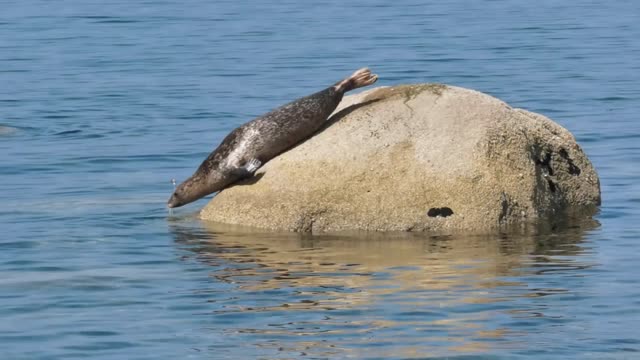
(173, 201)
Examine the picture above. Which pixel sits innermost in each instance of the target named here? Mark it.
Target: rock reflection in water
(415, 294)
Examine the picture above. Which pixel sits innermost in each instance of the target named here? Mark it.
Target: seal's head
(189, 191)
(175, 200)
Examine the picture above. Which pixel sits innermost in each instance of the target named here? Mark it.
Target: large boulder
(425, 157)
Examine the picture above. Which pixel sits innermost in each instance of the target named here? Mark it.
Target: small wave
(68, 132)
(107, 19)
(78, 134)
(116, 21)
(612, 98)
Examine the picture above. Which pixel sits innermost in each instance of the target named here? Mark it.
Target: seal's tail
(360, 78)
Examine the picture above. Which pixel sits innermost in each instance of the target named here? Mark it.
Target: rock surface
(425, 157)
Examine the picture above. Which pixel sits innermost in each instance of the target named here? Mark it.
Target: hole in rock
(444, 212)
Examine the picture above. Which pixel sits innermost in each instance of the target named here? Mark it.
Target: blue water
(103, 102)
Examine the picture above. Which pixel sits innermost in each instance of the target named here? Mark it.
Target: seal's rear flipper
(360, 78)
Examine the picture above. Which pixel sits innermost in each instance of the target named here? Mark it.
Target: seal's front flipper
(249, 168)
(252, 166)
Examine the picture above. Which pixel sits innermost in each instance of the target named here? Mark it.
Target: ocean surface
(102, 103)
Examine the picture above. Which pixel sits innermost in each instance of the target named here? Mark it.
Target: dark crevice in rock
(444, 212)
(573, 168)
(545, 164)
(504, 202)
(307, 221)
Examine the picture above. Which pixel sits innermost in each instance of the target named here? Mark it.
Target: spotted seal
(249, 146)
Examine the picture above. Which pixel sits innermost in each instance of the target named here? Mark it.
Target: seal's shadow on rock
(332, 120)
(250, 181)
(341, 114)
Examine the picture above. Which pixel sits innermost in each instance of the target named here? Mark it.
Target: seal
(251, 145)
